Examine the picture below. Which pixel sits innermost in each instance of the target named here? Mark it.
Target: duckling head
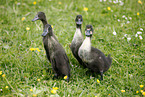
(79, 20)
(47, 30)
(40, 16)
(89, 30)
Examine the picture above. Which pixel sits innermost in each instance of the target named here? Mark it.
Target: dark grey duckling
(54, 51)
(77, 39)
(93, 58)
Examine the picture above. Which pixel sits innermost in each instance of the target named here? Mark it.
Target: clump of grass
(115, 27)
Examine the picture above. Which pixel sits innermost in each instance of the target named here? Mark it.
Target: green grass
(23, 67)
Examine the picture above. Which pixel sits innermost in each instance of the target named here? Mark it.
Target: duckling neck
(86, 45)
(44, 23)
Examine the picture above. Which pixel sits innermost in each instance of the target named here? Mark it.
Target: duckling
(77, 39)
(93, 58)
(54, 51)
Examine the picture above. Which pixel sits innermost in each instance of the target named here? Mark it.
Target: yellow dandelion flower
(59, 3)
(108, 94)
(27, 28)
(137, 91)
(38, 49)
(137, 13)
(139, 1)
(23, 18)
(95, 96)
(6, 87)
(98, 81)
(122, 91)
(31, 90)
(141, 86)
(3, 75)
(55, 88)
(34, 95)
(143, 93)
(1, 72)
(53, 91)
(108, 8)
(38, 80)
(34, 2)
(16, 2)
(65, 77)
(85, 9)
(52, 26)
(32, 49)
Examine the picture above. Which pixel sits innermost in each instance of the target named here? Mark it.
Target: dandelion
(31, 90)
(27, 28)
(129, 38)
(85, 9)
(53, 91)
(137, 13)
(0, 72)
(108, 8)
(34, 2)
(98, 81)
(108, 94)
(139, 1)
(141, 86)
(114, 33)
(38, 49)
(6, 87)
(139, 32)
(38, 79)
(55, 88)
(122, 91)
(65, 77)
(3, 75)
(59, 3)
(52, 26)
(143, 93)
(137, 91)
(34, 95)
(23, 18)
(32, 49)
(140, 37)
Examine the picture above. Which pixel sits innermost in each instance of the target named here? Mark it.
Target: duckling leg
(101, 73)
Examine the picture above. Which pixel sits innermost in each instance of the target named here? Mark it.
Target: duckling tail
(109, 59)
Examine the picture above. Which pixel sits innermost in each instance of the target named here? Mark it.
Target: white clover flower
(100, 0)
(129, 38)
(141, 29)
(118, 20)
(136, 35)
(123, 16)
(114, 33)
(126, 18)
(125, 35)
(139, 32)
(140, 37)
(128, 22)
(130, 18)
(104, 0)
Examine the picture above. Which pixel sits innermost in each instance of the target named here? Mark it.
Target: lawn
(119, 27)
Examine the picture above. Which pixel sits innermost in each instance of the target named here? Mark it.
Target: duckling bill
(54, 51)
(93, 58)
(77, 39)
